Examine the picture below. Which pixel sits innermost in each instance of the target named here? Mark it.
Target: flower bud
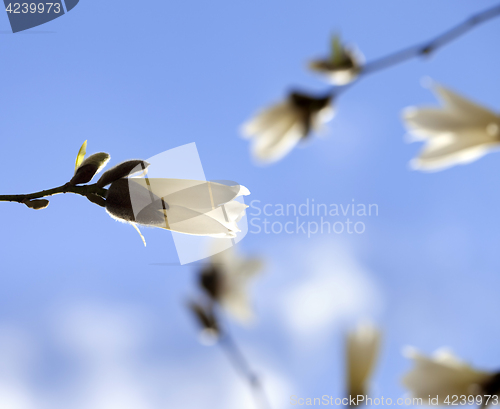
(309, 108)
(89, 167)
(343, 65)
(37, 204)
(96, 199)
(208, 322)
(122, 170)
(119, 203)
(211, 281)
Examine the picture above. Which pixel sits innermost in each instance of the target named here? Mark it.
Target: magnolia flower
(276, 130)
(343, 65)
(445, 375)
(458, 133)
(361, 351)
(225, 281)
(185, 206)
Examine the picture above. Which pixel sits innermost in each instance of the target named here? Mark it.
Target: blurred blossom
(185, 206)
(458, 133)
(362, 348)
(225, 280)
(342, 66)
(206, 318)
(277, 129)
(445, 375)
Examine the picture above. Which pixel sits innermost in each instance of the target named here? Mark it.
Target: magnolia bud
(121, 170)
(37, 204)
(146, 208)
(208, 322)
(343, 65)
(210, 281)
(308, 106)
(98, 200)
(89, 167)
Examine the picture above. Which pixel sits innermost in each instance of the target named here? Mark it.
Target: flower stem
(422, 49)
(240, 363)
(431, 46)
(79, 190)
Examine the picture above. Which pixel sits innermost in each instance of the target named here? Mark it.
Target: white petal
(432, 121)
(277, 145)
(236, 273)
(362, 351)
(238, 305)
(229, 214)
(243, 191)
(193, 194)
(187, 221)
(265, 119)
(465, 107)
(322, 117)
(442, 375)
(463, 147)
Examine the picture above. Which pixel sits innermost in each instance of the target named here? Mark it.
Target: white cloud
(334, 288)
(113, 367)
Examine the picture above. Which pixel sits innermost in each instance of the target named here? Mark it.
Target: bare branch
(85, 190)
(431, 46)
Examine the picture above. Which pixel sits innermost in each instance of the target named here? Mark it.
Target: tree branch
(240, 363)
(433, 45)
(79, 190)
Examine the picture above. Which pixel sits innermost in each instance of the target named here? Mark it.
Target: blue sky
(84, 304)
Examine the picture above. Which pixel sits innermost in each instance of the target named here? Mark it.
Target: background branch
(431, 46)
(424, 48)
(233, 352)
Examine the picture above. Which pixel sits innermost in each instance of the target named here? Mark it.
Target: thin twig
(79, 190)
(240, 363)
(421, 49)
(431, 46)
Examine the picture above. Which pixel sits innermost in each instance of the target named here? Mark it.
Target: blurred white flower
(226, 280)
(443, 375)
(362, 348)
(207, 320)
(342, 66)
(276, 130)
(185, 206)
(458, 133)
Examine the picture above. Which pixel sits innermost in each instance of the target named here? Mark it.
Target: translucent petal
(460, 148)
(462, 106)
(433, 121)
(265, 119)
(278, 142)
(441, 375)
